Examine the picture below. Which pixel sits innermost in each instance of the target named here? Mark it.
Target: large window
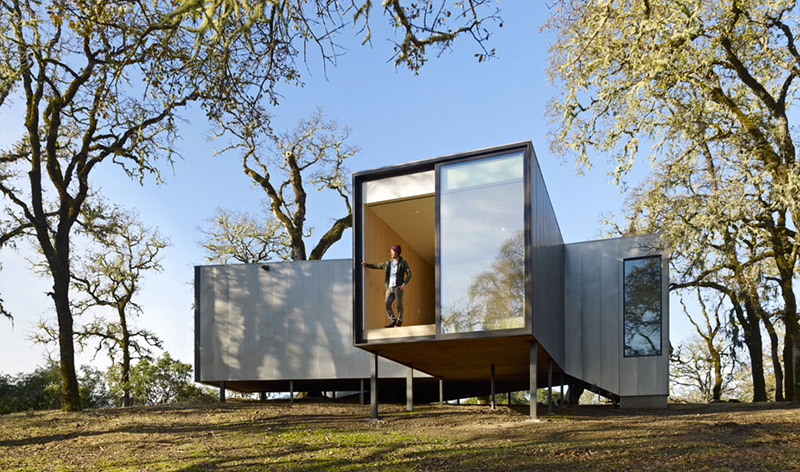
(482, 250)
(642, 306)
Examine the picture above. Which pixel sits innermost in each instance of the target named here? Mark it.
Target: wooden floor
(400, 332)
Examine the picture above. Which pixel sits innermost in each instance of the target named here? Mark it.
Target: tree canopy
(108, 81)
(709, 87)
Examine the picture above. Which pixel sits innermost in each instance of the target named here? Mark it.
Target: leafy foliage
(165, 380)
(710, 85)
(40, 389)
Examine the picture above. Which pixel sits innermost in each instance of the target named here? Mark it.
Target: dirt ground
(332, 435)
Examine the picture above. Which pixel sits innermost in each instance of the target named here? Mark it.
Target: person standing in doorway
(397, 276)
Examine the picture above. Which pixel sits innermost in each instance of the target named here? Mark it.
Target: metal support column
(441, 391)
(550, 386)
(373, 387)
(291, 392)
(410, 389)
(493, 402)
(262, 396)
(361, 392)
(561, 402)
(222, 392)
(508, 398)
(533, 387)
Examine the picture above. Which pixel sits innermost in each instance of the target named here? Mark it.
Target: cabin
(497, 300)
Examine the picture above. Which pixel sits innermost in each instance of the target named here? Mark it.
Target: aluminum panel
(291, 322)
(547, 254)
(283, 278)
(221, 308)
(591, 315)
(266, 311)
(643, 375)
(250, 322)
(594, 304)
(610, 315)
(573, 315)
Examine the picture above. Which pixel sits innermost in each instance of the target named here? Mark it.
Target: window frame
(660, 305)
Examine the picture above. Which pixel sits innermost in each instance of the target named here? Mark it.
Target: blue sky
(455, 104)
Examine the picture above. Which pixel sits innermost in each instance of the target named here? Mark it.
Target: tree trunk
(716, 391)
(791, 342)
(70, 393)
(126, 360)
(752, 339)
(776, 359)
(788, 367)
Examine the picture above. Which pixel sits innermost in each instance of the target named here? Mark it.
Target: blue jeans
(393, 293)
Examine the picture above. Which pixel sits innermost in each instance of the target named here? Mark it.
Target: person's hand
(363, 263)
(402, 287)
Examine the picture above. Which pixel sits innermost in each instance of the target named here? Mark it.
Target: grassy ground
(320, 435)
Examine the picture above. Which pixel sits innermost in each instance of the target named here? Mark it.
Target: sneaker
(399, 324)
(390, 325)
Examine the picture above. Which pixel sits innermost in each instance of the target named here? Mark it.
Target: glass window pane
(482, 250)
(482, 172)
(643, 306)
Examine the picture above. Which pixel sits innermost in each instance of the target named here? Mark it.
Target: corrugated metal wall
(289, 323)
(547, 275)
(593, 303)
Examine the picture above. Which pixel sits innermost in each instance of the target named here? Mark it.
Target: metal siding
(593, 303)
(573, 324)
(548, 268)
(282, 300)
(291, 322)
(302, 323)
(609, 315)
(208, 348)
(266, 313)
(197, 318)
(221, 309)
(644, 375)
(250, 322)
(591, 315)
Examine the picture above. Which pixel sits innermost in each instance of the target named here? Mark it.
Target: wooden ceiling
(414, 219)
(468, 359)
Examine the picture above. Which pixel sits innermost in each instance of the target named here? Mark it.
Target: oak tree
(111, 276)
(700, 83)
(106, 81)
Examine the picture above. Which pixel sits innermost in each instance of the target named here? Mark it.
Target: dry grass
(335, 436)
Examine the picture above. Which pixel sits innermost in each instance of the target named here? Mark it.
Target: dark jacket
(403, 271)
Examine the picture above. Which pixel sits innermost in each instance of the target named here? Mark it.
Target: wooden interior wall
(419, 297)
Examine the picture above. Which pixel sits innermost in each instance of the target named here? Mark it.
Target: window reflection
(482, 245)
(643, 306)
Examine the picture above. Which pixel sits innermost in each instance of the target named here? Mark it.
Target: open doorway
(411, 223)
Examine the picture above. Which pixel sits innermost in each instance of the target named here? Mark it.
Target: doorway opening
(411, 223)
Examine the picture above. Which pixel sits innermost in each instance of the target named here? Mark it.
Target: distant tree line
(152, 382)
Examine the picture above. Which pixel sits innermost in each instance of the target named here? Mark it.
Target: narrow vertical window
(642, 306)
